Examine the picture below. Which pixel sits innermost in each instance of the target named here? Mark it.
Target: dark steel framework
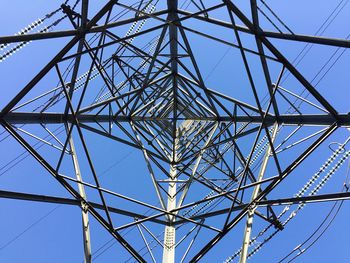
(164, 108)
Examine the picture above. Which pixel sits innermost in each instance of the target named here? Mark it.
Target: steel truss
(184, 129)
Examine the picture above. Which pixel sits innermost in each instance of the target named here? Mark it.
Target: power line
(317, 230)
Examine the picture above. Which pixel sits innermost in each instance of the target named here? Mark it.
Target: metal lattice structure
(213, 158)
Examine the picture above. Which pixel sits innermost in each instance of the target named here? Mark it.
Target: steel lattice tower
(160, 104)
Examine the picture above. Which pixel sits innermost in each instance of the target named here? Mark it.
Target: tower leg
(250, 215)
(169, 233)
(85, 216)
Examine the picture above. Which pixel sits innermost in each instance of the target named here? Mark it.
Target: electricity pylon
(160, 104)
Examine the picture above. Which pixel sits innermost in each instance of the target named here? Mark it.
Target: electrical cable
(324, 26)
(58, 206)
(19, 158)
(269, 19)
(238, 252)
(302, 251)
(36, 222)
(227, 51)
(16, 163)
(275, 15)
(35, 24)
(301, 193)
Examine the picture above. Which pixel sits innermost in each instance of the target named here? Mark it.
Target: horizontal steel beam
(69, 201)
(37, 36)
(312, 119)
(96, 29)
(337, 42)
(70, 33)
(306, 199)
(284, 201)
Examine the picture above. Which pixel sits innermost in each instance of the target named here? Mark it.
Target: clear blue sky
(36, 232)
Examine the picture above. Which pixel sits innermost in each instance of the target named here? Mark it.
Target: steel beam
(337, 42)
(264, 193)
(84, 210)
(170, 230)
(257, 32)
(307, 119)
(73, 32)
(257, 188)
(71, 190)
(158, 116)
(68, 201)
(306, 199)
(54, 61)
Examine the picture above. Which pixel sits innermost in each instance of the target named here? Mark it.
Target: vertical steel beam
(84, 210)
(173, 42)
(250, 214)
(170, 233)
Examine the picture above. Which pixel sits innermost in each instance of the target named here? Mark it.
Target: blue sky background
(36, 232)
